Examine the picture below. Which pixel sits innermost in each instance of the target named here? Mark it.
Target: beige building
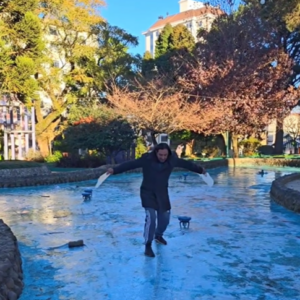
(193, 14)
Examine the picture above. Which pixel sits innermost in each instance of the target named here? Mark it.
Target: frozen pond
(240, 245)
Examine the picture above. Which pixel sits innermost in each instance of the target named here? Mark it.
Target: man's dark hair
(162, 146)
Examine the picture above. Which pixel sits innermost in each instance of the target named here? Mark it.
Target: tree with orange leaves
(157, 107)
(68, 30)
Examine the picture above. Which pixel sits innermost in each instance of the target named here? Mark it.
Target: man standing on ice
(157, 167)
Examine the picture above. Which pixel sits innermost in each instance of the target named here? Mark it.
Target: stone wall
(48, 178)
(11, 276)
(280, 193)
(23, 172)
(271, 162)
(285, 196)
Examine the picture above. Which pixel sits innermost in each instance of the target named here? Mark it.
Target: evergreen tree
(162, 43)
(292, 17)
(148, 63)
(181, 38)
(21, 48)
(180, 42)
(147, 55)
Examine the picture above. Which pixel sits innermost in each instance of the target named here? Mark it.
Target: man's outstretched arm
(127, 166)
(185, 164)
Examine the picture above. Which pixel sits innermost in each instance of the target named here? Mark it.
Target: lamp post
(5, 140)
(33, 129)
(227, 144)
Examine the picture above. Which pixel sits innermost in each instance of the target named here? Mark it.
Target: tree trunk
(43, 145)
(235, 146)
(223, 142)
(189, 147)
(153, 138)
(44, 141)
(295, 145)
(50, 147)
(226, 137)
(45, 128)
(279, 137)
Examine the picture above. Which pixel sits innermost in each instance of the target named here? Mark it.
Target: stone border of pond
(11, 275)
(10, 178)
(285, 196)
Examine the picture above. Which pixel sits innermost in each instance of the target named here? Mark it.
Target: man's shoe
(161, 240)
(148, 251)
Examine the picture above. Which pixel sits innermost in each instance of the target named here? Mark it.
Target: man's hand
(110, 171)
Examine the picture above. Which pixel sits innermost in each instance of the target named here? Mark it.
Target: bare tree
(291, 125)
(156, 107)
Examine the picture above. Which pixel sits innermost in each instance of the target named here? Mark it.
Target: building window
(164, 138)
(189, 26)
(200, 24)
(151, 44)
(270, 139)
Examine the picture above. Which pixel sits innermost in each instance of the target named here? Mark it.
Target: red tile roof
(186, 15)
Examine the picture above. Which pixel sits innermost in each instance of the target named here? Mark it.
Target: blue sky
(136, 16)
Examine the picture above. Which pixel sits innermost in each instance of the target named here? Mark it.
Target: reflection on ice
(239, 244)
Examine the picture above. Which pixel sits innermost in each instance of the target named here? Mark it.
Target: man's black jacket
(154, 188)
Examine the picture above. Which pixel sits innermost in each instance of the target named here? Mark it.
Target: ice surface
(239, 245)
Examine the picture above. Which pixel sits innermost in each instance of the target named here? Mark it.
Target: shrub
(210, 151)
(140, 148)
(92, 161)
(86, 161)
(266, 150)
(69, 161)
(34, 156)
(250, 146)
(54, 158)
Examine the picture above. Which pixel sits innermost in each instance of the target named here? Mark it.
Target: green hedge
(18, 164)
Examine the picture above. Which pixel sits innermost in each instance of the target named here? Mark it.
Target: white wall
(185, 5)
